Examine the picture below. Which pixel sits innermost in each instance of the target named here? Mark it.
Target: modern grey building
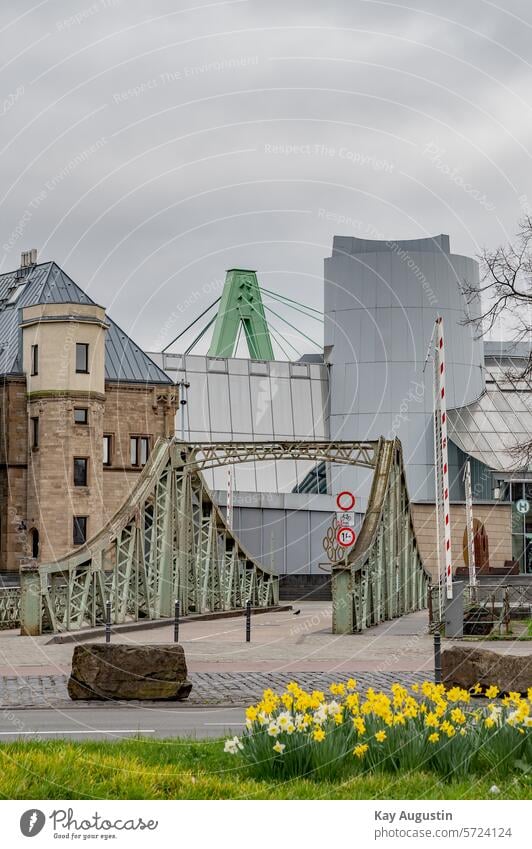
(381, 301)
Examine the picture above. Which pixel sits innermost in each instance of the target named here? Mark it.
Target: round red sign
(346, 537)
(345, 500)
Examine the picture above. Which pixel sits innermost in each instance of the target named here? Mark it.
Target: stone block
(464, 667)
(117, 671)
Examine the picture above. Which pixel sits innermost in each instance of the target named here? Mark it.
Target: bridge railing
(9, 607)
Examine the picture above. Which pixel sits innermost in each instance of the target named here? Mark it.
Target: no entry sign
(345, 501)
(346, 537)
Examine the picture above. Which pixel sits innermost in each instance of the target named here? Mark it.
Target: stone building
(81, 406)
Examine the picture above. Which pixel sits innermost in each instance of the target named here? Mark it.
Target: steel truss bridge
(170, 541)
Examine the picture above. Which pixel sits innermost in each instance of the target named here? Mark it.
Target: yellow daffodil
(359, 724)
(380, 736)
(351, 684)
(360, 751)
(434, 737)
(431, 720)
(458, 716)
(448, 729)
(318, 735)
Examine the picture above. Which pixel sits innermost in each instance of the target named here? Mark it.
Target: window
(79, 530)
(82, 358)
(15, 293)
(35, 432)
(81, 415)
(34, 360)
(139, 450)
(144, 450)
(107, 448)
(80, 471)
(34, 534)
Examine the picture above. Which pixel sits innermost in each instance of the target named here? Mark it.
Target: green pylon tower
(241, 302)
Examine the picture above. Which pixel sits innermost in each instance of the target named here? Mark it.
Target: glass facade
(253, 400)
(519, 493)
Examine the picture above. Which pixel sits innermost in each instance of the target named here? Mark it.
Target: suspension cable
(200, 335)
(312, 341)
(192, 323)
(254, 308)
(297, 309)
(286, 298)
(276, 332)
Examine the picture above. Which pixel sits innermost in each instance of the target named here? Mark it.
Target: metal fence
(502, 601)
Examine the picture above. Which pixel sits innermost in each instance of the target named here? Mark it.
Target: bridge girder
(170, 540)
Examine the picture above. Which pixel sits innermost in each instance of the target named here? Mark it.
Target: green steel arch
(170, 540)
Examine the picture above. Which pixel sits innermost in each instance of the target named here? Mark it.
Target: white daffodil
(279, 747)
(300, 721)
(320, 715)
(232, 746)
(273, 729)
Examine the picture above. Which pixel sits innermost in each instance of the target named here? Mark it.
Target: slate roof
(46, 283)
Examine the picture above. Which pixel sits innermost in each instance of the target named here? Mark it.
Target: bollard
(437, 657)
(176, 621)
(248, 621)
(107, 621)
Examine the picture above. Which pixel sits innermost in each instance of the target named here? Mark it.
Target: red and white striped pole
(442, 404)
(229, 503)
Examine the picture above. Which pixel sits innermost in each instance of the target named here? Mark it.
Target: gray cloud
(147, 147)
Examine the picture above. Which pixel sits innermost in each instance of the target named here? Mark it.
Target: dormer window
(14, 294)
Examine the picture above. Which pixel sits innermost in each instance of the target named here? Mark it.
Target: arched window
(34, 533)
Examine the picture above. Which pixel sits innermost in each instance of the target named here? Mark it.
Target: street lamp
(183, 398)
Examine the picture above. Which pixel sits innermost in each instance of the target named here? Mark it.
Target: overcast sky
(148, 146)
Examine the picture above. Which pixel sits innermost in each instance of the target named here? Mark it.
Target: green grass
(184, 769)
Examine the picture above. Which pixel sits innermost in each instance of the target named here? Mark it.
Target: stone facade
(39, 495)
(497, 519)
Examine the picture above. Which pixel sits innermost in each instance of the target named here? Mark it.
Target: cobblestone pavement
(209, 688)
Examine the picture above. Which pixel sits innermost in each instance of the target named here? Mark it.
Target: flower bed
(297, 733)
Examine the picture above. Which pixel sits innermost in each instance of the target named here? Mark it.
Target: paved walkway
(209, 688)
(226, 670)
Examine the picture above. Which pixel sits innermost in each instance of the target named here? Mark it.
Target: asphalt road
(114, 723)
